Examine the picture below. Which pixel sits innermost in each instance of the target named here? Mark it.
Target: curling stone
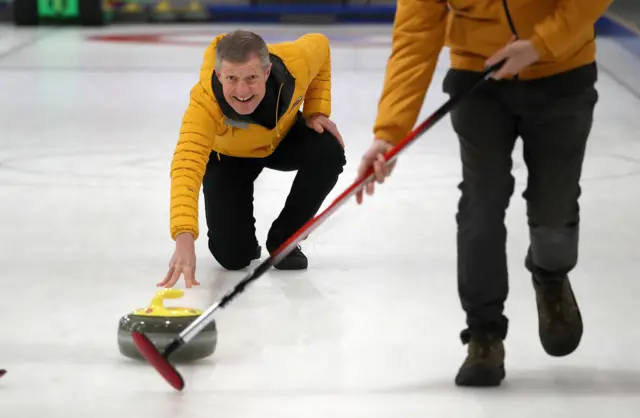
(162, 324)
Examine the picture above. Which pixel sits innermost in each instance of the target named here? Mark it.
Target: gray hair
(238, 47)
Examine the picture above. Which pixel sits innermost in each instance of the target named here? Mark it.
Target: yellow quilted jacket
(303, 68)
(561, 30)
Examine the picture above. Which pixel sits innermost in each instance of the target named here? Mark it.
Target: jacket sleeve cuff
(541, 47)
(180, 229)
(388, 135)
(316, 106)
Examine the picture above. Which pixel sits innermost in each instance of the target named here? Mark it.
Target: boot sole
(480, 376)
(290, 268)
(566, 347)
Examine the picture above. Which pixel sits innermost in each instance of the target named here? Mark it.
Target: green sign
(58, 8)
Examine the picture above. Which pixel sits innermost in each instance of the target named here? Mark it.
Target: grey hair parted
(238, 47)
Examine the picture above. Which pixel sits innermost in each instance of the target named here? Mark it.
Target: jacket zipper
(277, 108)
(511, 24)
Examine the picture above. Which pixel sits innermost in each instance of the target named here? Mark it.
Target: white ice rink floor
(87, 131)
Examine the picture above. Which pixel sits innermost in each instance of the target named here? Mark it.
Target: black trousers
(553, 117)
(228, 188)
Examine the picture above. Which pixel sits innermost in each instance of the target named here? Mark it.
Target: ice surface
(370, 330)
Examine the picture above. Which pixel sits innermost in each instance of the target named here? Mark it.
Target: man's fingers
(338, 137)
(378, 163)
(359, 197)
(362, 170)
(503, 54)
(382, 168)
(166, 277)
(190, 277)
(175, 277)
(388, 168)
(370, 188)
(505, 70)
(495, 58)
(333, 129)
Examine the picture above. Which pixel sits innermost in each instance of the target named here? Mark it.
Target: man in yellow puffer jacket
(545, 94)
(245, 115)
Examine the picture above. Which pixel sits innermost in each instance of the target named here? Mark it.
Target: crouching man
(244, 116)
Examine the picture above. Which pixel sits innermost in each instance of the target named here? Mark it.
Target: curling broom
(160, 361)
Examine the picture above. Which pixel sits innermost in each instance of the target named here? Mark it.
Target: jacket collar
(279, 73)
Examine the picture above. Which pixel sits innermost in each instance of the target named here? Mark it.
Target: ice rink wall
(101, 12)
(622, 21)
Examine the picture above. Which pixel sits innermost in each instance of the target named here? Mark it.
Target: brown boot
(559, 319)
(484, 365)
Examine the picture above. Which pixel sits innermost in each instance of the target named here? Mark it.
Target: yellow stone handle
(157, 302)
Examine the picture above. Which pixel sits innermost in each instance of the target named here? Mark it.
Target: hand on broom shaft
(374, 158)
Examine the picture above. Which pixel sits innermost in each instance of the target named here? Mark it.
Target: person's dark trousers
(228, 188)
(553, 117)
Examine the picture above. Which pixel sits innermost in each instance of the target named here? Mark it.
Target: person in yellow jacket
(544, 94)
(255, 106)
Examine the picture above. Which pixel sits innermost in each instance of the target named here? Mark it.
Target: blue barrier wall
(623, 21)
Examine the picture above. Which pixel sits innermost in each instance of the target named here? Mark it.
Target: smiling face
(243, 84)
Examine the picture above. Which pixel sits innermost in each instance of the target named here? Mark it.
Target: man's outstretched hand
(183, 262)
